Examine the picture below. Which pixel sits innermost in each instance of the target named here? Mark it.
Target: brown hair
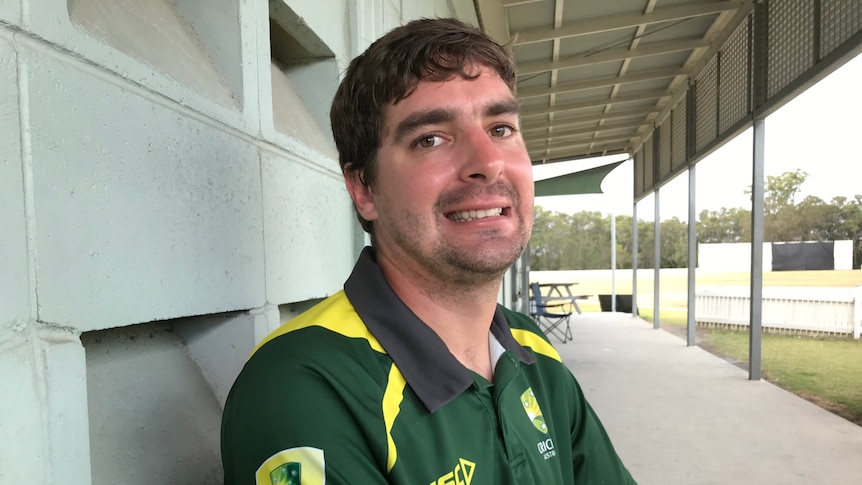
(389, 70)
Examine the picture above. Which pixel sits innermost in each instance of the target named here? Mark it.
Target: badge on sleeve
(295, 466)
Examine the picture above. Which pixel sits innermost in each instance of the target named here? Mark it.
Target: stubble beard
(456, 268)
(450, 268)
(485, 266)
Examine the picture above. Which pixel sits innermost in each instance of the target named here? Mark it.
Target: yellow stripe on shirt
(335, 313)
(536, 342)
(392, 398)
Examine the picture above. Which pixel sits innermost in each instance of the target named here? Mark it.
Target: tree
(839, 220)
(674, 243)
(624, 242)
(582, 240)
(724, 226)
(781, 218)
(590, 237)
(780, 191)
(646, 240)
(547, 243)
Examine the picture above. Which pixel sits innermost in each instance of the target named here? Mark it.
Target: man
(413, 374)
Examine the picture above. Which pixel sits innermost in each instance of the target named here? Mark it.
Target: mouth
(472, 215)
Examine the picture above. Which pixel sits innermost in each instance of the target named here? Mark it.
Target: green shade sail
(584, 182)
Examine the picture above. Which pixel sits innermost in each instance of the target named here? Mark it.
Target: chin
(491, 261)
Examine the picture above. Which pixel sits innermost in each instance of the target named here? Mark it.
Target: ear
(362, 195)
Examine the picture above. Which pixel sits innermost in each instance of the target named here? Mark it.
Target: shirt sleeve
(288, 422)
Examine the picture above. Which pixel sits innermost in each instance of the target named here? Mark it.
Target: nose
(483, 159)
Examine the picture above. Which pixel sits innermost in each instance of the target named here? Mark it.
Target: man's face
(453, 193)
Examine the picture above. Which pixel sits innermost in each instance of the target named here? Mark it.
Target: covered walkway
(680, 415)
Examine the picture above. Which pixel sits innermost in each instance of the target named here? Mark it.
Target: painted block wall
(167, 434)
(169, 195)
(15, 278)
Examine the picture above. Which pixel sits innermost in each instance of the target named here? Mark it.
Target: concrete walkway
(679, 415)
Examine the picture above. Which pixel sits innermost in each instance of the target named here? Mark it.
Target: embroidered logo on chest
(534, 412)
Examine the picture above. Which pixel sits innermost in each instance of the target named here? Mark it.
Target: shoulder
(329, 339)
(308, 385)
(529, 335)
(336, 315)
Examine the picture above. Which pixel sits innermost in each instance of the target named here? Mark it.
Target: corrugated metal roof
(595, 75)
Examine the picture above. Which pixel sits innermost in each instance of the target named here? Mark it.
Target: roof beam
(598, 151)
(513, 3)
(626, 21)
(586, 59)
(636, 41)
(550, 147)
(591, 103)
(646, 114)
(586, 150)
(601, 82)
(555, 51)
(586, 130)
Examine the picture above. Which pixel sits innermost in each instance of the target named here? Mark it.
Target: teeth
(465, 216)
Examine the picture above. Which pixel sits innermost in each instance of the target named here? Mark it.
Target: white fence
(817, 310)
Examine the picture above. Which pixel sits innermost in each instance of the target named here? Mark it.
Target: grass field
(826, 371)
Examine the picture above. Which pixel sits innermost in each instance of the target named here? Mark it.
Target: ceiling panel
(608, 68)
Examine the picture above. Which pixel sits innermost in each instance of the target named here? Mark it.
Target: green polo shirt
(358, 390)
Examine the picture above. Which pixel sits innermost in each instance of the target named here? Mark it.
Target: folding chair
(550, 315)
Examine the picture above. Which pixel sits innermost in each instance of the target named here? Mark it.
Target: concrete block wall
(169, 194)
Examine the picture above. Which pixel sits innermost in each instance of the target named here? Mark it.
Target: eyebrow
(422, 118)
(510, 107)
(442, 115)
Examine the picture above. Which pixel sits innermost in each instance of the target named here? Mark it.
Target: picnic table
(562, 292)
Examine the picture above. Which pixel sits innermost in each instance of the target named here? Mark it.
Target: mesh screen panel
(735, 80)
(678, 135)
(755, 72)
(705, 105)
(639, 172)
(839, 20)
(791, 42)
(664, 150)
(649, 163)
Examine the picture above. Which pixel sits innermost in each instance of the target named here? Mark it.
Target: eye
(427, 141)
(501, 131)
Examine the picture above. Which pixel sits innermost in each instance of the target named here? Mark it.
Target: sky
(815, 132)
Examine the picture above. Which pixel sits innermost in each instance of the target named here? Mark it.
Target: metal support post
(692, 257)
(657, 247)
(756, 315)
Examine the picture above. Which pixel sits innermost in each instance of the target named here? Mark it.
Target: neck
(460, 314)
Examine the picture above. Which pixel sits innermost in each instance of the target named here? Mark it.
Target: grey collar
(433, 373)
